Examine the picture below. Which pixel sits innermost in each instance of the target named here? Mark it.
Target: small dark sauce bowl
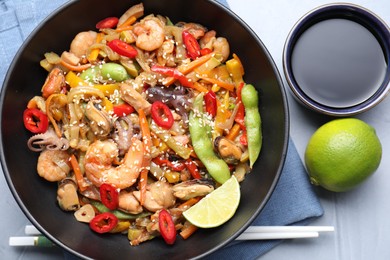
(350, 12)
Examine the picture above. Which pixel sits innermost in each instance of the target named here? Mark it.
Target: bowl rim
(282, 155)
(342, 10)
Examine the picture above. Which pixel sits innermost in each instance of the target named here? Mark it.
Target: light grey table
(361, 216)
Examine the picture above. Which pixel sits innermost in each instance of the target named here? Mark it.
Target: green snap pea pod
(203, 146)
(119, 214)
(252, 121)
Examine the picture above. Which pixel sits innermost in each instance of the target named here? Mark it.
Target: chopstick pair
(282, 232)
(35, 237)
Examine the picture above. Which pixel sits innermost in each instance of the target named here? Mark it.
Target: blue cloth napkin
(292, 203)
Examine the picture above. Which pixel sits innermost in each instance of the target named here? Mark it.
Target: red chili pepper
(211, 103)
(192, 45)
(176, 166)
(123, 110)
(109, 196)
(192, 168)
(162, 115)
(244, 139)
(205, 51)
(172, 72)
(103, 223)
(167, 227)
(122, 48)
(35, 120)
(109, 22)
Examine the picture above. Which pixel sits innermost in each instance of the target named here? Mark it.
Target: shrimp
(54, 83)
(53, 165)
(221, 45)
(197, 30)
(82, 42)
(218, 45)
(150, 34)
(128, 203)
(165, 54)
(99, 160)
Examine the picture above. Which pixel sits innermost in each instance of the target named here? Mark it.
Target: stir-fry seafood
(139, 120)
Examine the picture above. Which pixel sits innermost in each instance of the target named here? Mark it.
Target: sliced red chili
(162, 161)
(162, 115)
(109, 22)
(109, 196)
(167, 227)
(211, 103)
(103, 223)
(244, 139)
(205, 51)
(192, 168)
(35, 120)
(192, 45)
(122, 48)
(172, 72)
(123, 110)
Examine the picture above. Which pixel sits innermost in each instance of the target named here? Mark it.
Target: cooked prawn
(217, 44)
(82, 42)
(99, 160)
(197, 30)
(150, 34)
(53, 164)
(165, 54)
(54, 82)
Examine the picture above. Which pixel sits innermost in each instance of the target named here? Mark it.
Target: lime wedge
(217, 207)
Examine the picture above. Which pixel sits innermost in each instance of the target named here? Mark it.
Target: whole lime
(342, 153)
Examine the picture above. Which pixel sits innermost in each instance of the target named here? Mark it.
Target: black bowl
(37, 197)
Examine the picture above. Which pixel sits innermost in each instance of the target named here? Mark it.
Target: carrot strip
(142, 185)
(77, 173)
(126, 28)
(77, 68)
(147, 139)
(185, 69)
(199, 87)
(95, 52)
(185, 205)
(220, 83)
(187, 231)
(127, 23)
(233, 133)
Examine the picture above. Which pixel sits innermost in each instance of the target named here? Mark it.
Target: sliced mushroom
(100, 122)
(193, 188)
(67, 196)
(85, 214)
(227, 150)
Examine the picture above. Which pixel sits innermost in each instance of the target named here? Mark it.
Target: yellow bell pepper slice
(74, 81)
(107, 89)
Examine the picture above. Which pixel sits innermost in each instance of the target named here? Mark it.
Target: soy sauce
(338, 62)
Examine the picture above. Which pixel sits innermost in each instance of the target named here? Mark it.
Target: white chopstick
(251, 233)
(277, 229)
(282, 232)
